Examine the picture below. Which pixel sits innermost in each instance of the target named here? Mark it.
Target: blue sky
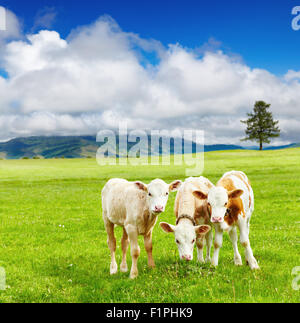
(168, 64)
(259, 31)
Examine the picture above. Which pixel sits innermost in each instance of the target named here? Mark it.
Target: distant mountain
(49, 147)
(85, 146)
(222, 147)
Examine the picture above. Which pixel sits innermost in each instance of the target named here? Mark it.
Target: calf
(192, 218)
(135, 207)
(231, 205)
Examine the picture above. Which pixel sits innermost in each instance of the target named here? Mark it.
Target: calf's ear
(235, 194)
(141, 186)
(202, 229)
(168, 228)
(175, 186)
(200, 195)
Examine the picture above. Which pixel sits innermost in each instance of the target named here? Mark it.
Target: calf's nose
(159, 208)
(187, 257)
(216, 220)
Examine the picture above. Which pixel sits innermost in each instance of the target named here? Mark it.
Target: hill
(49, 147)
(84, 146)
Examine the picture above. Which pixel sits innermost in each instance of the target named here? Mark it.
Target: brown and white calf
(192, 219)
(134, 206)
(231, 205)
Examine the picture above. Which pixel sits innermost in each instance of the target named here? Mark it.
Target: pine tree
(261, 125)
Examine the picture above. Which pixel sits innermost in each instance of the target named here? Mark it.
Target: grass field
(53, 243)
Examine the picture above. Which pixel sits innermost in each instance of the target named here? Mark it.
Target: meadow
(53, 242)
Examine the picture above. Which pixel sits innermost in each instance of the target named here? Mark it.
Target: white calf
(191, 214)
(231, 205)
(135, 207)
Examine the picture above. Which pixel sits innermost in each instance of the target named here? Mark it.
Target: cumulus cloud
(13, 26)
(292, 75)
(100, 75)
(13, 30)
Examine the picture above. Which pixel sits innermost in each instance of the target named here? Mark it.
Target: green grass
(53, 243)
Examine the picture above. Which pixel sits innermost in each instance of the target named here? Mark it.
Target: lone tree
(261, 125)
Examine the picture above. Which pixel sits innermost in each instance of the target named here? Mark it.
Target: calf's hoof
(253, 264)
(208, 260)
(113, 269)
(134, 274)
(152, 265)
(201, 260)
(123, 268)
(214, 263)
(238, 261)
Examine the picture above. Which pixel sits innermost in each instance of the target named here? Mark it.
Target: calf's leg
(148, 247)
(135, 249)
(111, 241)
(209, 240)
(218, 244)
(244, 238)
(124, 243)
(234, 238)
(200, 246)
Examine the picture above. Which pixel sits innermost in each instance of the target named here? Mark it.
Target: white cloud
(98, 76)
(292, 75)
(13, 30)
(13, 26)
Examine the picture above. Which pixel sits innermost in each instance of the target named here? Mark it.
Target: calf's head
(218, 199)
(185, 236)
(158, 193)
